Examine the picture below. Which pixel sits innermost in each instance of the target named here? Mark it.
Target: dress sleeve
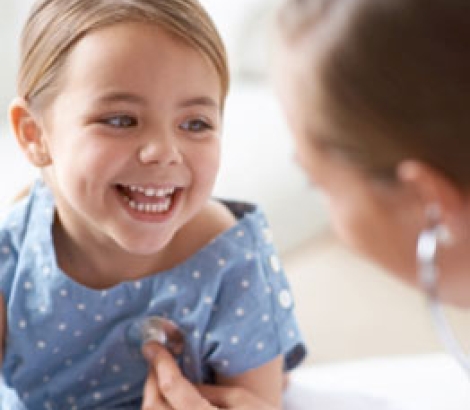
(12, 226)
(7, 265)
(254, 320)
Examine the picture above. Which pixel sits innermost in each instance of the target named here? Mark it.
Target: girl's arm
(166, 387)
(265, 382)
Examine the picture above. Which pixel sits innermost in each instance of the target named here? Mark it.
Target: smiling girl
(120, 106)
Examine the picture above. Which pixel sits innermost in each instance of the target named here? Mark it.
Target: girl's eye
(196, 126)
(120, 121)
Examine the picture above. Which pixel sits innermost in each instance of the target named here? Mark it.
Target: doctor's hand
(167, 389)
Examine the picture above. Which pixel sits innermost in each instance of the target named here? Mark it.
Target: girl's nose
(162, 151)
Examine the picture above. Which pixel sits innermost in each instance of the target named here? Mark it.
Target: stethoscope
(428, 271)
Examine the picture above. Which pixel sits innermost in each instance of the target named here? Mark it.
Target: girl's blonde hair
(393, 78)
(55, 26)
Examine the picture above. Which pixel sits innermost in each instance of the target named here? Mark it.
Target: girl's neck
(96, 266)
(101, 265)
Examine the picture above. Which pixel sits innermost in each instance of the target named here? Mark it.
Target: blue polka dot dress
(72, 347)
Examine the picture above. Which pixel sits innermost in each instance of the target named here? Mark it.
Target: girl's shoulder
(26, 221)
(14, 221)
(213, 220)
(223, 227)
(13, 218)
(223, 218)
(217, 218)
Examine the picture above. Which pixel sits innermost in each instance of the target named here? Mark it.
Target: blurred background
(348, 309)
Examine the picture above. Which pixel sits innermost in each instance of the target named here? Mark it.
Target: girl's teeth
(165, 196)
(151, 208)
(152, 192)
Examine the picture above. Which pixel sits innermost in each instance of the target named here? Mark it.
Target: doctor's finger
(152, 399)
(177, 390)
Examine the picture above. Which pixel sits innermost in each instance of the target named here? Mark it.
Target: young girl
(120, 105)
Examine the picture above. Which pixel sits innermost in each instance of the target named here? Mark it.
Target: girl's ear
(29, 134)
(435, 191)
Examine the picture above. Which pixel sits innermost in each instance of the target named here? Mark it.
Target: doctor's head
(377, 94)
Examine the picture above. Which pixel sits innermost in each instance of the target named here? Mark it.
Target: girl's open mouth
(148, 200)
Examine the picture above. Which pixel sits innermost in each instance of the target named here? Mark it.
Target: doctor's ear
(29, 134)
(435, 190)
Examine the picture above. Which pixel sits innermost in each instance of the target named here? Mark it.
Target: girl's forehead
(140, 46)
(130, 31)
(140, 60)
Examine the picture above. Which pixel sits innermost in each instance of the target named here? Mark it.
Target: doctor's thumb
(151, 350)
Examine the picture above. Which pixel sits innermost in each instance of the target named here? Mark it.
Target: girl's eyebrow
(204, 100)
(121, 97)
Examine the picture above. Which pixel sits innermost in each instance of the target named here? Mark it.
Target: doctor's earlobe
(434, 221)
(443, 202)
(28, 133)
(432, 186)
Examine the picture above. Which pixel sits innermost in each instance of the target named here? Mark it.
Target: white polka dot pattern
(275, 263)
(232, 300)
(285, 299)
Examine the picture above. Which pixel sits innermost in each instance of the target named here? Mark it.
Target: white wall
(12, 14)
(257, 153)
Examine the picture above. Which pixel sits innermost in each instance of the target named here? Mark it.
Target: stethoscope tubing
(428, 272)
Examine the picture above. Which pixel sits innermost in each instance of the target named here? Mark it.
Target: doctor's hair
(390, 78)
(55, 26)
